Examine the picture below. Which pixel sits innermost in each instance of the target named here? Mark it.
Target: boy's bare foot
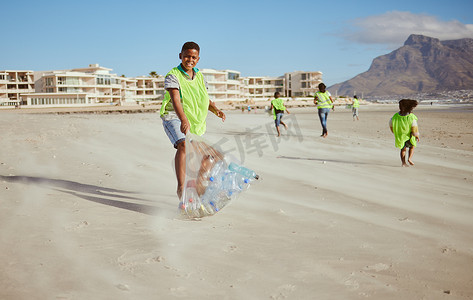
(179, 192)
(405, 165)
(285, 126)
(410, 162)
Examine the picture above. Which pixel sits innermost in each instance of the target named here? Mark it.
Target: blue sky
(257, 38)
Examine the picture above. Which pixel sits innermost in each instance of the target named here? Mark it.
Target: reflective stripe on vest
(323, 100)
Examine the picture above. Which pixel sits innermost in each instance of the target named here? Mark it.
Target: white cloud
(393, 28)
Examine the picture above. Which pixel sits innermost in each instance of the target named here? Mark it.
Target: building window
(72, 81)
(233, 76)
(104, 80)
(304, 76)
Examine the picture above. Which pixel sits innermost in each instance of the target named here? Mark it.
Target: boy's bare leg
(210, 157)
(411, 153)
(285, 126)
(206, 165)
(180, 164)
(279, 133)
(403, 157)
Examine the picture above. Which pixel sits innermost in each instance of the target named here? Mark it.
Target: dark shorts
(407, 144)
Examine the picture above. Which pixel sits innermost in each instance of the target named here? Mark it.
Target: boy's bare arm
(415, 132)
(213, 108)
(176, 103)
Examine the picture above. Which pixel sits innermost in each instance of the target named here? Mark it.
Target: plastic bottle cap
(191, 200)
(211, 178)
(246, 180)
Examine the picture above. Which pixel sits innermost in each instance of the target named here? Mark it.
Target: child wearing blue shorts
(185, 106)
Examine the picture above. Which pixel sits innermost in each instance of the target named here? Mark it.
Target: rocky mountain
(422, 65)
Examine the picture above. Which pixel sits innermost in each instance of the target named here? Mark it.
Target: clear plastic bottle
(250, 174)
(225, 183)
(230, 184)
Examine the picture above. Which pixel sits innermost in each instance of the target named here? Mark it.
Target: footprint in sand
(377, 267)
(77, 226)
(283, 291)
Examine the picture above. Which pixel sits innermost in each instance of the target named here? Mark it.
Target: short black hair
(407, 105)
(276, 94)
(190, 45)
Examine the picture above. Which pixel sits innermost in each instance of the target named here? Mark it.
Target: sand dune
(89, 209)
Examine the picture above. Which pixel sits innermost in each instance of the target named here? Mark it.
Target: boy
(404, 126)
(185, 106)
(278, 108)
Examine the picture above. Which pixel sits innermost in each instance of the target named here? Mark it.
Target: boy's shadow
(89, 192)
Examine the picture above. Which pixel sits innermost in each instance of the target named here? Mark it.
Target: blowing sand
(88, 209)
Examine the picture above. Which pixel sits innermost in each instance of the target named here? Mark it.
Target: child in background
(278, 108)
(406, 132)
(324, 102)
(354, 107)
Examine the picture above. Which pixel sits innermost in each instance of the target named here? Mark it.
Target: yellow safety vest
(194, 99)
(323, 100)
(356, 103)
(278, 104)
(402, 126)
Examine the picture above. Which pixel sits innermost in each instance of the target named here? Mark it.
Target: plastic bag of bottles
(212, 179)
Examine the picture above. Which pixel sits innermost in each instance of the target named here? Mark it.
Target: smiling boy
(185, 106)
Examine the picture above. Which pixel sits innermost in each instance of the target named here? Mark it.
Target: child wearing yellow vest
(354, 107)
(185, 106)
(406, 132)
(323, 101)
(278, 108)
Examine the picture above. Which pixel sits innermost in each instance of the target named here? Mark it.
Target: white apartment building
(96, 85)
(92, 85)
(302, 84)
(148, 89)
(263, 88)
(223, 85)
(13, 84)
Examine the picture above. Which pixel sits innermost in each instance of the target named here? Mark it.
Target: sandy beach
(89, 209)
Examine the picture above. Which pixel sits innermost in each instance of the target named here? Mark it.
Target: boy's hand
(220, 114)
(417, 138)
(185, 126)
